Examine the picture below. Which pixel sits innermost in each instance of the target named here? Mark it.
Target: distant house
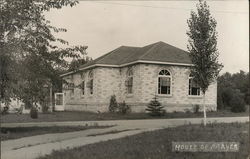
(135, 75)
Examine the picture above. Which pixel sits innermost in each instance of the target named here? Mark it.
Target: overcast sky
(106, 25)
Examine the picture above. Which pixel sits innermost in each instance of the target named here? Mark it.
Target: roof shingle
(158, 52)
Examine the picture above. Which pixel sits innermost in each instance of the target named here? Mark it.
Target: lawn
(19, 132)
(158, 144)
(87, 116)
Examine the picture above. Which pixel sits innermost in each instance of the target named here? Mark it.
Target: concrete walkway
(34, 146)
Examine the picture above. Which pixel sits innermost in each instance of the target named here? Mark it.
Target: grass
(158, 144)
(19, 132)
(110, 132)
(87, 116)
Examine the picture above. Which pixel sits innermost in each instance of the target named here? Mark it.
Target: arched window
(193, 88)
(164, 82)
(129, 81)
(82, 85)
(90, 84)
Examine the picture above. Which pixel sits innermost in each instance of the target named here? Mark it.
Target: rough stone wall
(111, 81)
(178, 100)
(86, 102)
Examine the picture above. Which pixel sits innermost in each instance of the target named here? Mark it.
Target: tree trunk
(204, 110)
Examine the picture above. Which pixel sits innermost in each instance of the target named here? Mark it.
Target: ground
(158, 144)
(40, 145)
(89, 116)
(8, 133)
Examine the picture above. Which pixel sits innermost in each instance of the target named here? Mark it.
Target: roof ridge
(101, 57)
(148, 51)
(124, 59)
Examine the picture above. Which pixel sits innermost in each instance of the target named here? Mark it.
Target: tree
(75, 64)
(29, 55)
(203, 48)
(233, 88)
(154, 107)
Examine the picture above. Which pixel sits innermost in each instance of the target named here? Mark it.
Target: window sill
(129, 95)
(164, 95)
(195, 96)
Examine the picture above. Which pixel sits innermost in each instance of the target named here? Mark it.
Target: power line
(173, 8)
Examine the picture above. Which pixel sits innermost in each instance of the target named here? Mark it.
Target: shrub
(33, 113)
(187, 111)
(196, 108)
(45, 108)
(237, 103)
(154, 108)
(123, 108)
(113, 106)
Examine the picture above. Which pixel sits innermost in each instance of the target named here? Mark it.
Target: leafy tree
(230, 85)
(29, 56)
(154, 108)
(237, 102)
(203, 48)
(75, 64)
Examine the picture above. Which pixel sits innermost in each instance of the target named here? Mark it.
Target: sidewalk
(34, 146)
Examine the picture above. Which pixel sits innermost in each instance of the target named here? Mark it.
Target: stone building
(135, 75)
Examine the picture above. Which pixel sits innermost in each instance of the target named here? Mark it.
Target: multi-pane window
(90, 83)
(194, 88)
(164, 82)
(83, 87)
(129, 81)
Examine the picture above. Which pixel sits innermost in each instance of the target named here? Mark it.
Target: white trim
(190, 95)
(59, 107)
(195, 96)
(156, 62)
(126, 64)
(166, 76)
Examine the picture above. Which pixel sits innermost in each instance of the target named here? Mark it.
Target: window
(164, 82)
(90, 83)
(71, 88)
(194, 88)
(129, 81)
(83, 87)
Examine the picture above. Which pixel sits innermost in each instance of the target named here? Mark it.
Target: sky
(105, 25)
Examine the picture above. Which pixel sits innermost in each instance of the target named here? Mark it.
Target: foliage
(203, 46)
(154, 108)
(196, 108)
(33, 113)
(228, 84)
(123, 108)
(26, 39)
(237, 103)
(113, 105)
(76, 63)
